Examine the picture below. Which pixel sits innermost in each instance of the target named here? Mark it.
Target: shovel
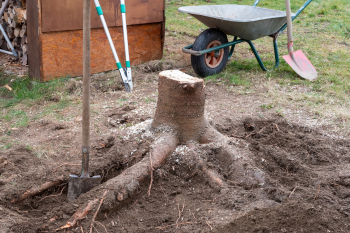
(297, 60)
(84, 183)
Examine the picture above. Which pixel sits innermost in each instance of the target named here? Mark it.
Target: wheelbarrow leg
(275, 49)
(257, 56)
(232, 49)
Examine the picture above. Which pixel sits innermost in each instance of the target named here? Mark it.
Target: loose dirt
(303, 186)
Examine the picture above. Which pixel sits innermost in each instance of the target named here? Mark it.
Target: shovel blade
(301, 65)
(78, 185)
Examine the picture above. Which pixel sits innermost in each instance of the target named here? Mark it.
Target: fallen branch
(176, 224)
(20, 211)
(261, 130)
(250, 135)
(99, 206)
(209, 225)
(292, 191)
(8, 87)
(53, 195)
(80, 214)
(276, 127)
(319, 187)
(133, 204)
(36, 190)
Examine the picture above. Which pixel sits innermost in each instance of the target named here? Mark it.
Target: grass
(27, 93)
(26, 89)
(321, 31)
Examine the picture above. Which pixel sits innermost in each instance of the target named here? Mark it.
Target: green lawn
(322, 32)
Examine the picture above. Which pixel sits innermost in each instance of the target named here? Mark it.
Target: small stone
(120, 197)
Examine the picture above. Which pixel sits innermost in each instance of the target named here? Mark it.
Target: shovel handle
(86, 88)
(289, 22)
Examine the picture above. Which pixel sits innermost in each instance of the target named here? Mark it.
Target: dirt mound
(289, 217)
(300, 183)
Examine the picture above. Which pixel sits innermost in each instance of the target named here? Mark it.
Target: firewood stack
(14, 22)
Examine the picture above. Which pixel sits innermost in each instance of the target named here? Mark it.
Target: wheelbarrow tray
(245, 22)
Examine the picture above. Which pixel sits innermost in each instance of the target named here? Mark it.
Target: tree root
(36, 190)
(210, 135)
(179, 118)
(213, 177)
(124, 185)
(80, 214)
(98, 208)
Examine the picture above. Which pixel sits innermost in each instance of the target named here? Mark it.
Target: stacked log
(14, 22)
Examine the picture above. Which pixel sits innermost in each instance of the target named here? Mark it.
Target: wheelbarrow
(210, 51)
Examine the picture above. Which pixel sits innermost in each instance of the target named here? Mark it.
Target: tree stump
(180, 105)
(179, 119)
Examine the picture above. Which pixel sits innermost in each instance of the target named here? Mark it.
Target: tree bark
(180, 105)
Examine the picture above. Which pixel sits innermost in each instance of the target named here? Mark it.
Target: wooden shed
(55, 35)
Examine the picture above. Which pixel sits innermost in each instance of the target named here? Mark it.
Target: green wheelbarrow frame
(236, 40)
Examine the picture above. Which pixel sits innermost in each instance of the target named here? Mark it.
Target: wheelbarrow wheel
(213, 62)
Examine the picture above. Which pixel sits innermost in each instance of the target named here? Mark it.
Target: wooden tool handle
(86, 88)
(289, 22)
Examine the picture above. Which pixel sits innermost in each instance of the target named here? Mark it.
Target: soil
(301, 179)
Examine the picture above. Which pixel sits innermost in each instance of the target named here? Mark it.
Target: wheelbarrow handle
(188, 49)
(256, 2)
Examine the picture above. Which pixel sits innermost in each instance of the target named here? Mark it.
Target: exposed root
(36, 190)
(53, 195)
(124, 185)
(102, 226)
(98, 208)
(180, 211)
(210, 135)
(152, 169)
(179, 118)
(79, 215)
(213, 177)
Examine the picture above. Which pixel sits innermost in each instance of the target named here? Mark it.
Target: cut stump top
(179, 76)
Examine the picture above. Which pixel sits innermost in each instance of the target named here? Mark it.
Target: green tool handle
(86, 89)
